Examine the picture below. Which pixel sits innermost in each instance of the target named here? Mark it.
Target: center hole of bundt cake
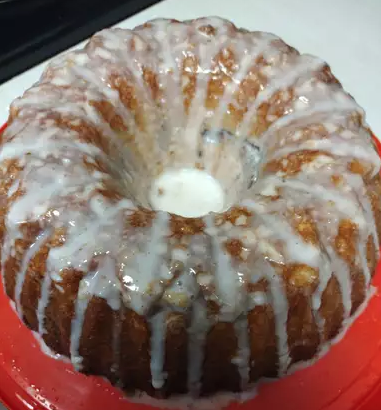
(188, 192)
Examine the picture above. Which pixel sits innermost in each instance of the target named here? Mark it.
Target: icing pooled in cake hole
(188, 192)
(210, 176)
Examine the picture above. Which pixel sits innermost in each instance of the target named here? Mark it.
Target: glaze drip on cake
(188, 305)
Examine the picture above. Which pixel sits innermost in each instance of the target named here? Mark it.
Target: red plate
(347, 378)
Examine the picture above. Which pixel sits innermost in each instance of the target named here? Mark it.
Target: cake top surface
(274, 128)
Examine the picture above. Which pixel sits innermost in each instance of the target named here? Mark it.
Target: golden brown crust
(303, 333)
(176, 352)
(135, 369)
(293, 163)
(331, 309)
(220, 374)
(116, 344)
(32, 288)
(263, 346)
(59, 312)
(98, 348)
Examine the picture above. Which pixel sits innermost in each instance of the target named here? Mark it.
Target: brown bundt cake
(188, 302)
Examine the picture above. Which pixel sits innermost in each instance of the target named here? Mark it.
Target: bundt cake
(188, 207)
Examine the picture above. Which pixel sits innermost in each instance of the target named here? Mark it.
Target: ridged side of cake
(171, 305)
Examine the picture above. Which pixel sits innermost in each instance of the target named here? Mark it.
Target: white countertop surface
(346, 33)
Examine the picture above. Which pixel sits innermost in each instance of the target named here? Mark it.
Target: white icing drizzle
(197, 333)
(321, 108)
(140, 274)
(197, 111)
(242, 358)
(101, 283)
(246, 62)
(298, 250)
(325, 274)
(158, 331)
(336, 146)
(27, 258)
(282, 80)
(232, 297)
(180, 294)
(134, 263)
(43, 302)
(81, 305)
(357, 184)
(167, 41)
(362, 251)
(342, 274)
(116, 40)
(349, 208)
(229, 283)
(257, 299)
(88, 236)
(280, 307)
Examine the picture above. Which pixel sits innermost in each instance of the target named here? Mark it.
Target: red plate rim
(16, 397)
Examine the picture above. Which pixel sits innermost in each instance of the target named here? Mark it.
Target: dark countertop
(30, 37)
